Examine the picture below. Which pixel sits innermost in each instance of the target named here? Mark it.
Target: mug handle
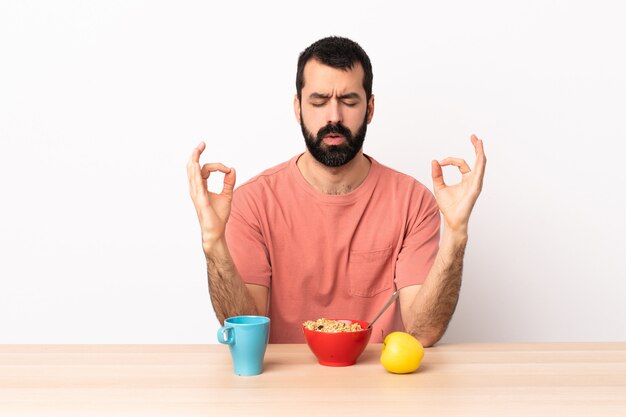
(231, 335)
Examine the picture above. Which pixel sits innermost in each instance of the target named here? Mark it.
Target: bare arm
(427, 309)
(230, 296)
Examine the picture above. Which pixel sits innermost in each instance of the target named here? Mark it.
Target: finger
(213, 167)
(196, 185)
(457, 162)
(437, 173)
(229, 183)
(481, 159)
(193, 165)
(195, 155)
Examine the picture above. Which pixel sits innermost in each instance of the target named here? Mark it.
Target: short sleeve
(421, 239)
(246, 242)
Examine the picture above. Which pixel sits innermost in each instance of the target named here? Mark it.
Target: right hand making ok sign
(213, 209)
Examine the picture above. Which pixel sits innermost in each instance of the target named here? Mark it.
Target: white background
(102, 103)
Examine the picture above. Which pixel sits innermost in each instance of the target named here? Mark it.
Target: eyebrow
(341, 97)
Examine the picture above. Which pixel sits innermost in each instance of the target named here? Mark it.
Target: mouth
(334, 139)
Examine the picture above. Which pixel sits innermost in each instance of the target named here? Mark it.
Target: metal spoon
(387, 304)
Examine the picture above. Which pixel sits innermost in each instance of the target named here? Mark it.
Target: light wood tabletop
(564, 379)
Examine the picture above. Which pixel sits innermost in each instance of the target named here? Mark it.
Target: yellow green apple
(402, 353)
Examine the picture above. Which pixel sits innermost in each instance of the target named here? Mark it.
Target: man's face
(333, 113)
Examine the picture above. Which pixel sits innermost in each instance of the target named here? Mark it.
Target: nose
(334, 112)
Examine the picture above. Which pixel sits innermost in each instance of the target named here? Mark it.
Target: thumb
(437, 174)
(229, 182)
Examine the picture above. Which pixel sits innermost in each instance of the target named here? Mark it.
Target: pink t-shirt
(332, 256)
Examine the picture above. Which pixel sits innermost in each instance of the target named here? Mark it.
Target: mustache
(337, 129)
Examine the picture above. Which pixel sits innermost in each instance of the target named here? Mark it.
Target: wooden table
(581, 379)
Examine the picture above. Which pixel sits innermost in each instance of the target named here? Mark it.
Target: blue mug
(247, 338)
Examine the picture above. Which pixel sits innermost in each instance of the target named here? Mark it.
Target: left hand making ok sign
(456, 201)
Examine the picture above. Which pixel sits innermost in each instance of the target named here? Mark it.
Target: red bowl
(338, 349)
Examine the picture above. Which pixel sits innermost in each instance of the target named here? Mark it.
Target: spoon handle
(387, 304)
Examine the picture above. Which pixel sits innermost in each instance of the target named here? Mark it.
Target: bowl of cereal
(336, 342)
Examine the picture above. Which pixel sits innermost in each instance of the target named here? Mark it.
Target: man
(332, 233)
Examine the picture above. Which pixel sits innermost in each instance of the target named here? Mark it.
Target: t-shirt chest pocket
(370, 272)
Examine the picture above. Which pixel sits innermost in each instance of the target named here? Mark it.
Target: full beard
(334, 155)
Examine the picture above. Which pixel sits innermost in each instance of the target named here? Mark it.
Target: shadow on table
(275, 364)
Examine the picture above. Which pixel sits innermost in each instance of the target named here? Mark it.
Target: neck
(331, 180)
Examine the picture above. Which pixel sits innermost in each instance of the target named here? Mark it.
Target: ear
(370, 109)
(296, 108)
